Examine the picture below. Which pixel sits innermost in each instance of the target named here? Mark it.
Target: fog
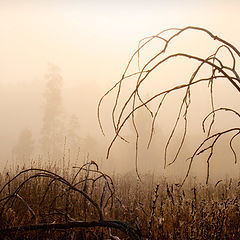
(84, 48)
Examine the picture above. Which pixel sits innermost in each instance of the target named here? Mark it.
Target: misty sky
(91, 42)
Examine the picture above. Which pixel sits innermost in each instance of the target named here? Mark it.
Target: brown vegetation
(88, 204)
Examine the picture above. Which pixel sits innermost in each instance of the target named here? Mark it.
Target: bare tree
(213, 65)
(52, 130)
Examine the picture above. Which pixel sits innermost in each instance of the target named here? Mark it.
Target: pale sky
(93, 40)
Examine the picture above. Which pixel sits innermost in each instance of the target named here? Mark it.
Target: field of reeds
(84, 203)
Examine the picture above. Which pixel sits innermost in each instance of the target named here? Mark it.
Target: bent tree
(215, 70)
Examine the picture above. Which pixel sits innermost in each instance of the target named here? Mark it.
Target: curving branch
(123, 227)
(57, 217)
(134, 101)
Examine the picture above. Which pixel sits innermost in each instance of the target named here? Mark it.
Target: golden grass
(154, 207)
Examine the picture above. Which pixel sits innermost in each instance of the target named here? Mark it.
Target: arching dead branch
(218, 71)
(54, 207)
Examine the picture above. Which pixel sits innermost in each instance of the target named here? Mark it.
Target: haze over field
(88, 44)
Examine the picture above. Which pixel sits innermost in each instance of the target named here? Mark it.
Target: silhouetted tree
(53, 128)
(209, 70)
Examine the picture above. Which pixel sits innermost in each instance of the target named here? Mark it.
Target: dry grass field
(84, 203)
